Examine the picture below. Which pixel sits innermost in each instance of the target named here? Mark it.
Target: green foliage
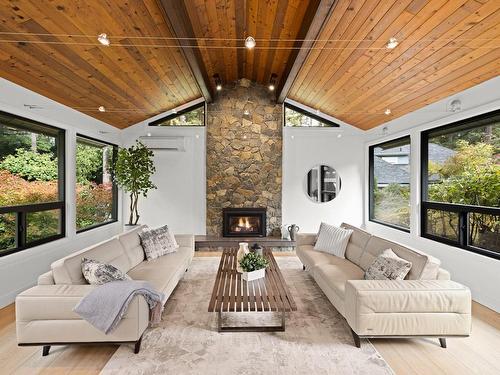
(253, 262)
(31, 165)
(392, 204)
(13, 139)
(191, 118)
(88, 163)
(133, 170)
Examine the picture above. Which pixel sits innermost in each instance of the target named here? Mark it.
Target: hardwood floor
(477, 354)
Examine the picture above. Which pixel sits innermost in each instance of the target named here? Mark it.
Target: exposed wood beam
(317, 15)
(177, 18)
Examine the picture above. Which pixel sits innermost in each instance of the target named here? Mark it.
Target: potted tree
(133, 170)
(253, 266)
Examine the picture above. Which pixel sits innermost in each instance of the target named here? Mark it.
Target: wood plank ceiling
(130, 78)
(445, 47)
(223, 25)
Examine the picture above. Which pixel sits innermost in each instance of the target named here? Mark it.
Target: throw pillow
(332, 240)
(97, 273)
(388, 266)
(158, 242)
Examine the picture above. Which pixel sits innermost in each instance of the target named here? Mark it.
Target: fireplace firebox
(244, 222)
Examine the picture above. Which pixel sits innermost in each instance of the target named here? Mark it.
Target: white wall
(480, 273)
(304, 148)
(179, 200)
(20, 270)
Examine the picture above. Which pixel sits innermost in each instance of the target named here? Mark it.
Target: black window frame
(462, 210)
(179, 113)
(21, 211)
(302, 111)
(114, 209)
(371, 181)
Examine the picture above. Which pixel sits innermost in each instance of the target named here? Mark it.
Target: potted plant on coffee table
(254, 266)
(132, 172)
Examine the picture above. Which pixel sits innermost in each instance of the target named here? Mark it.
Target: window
(191, 116)
(31, 183)
(389, 180)
(298, 117)
(461, 184)
(96, 193)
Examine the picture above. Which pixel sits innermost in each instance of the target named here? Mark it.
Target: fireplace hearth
(244, 222)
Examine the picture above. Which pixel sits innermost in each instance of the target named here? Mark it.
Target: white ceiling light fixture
(392, 43)
(101, 109)
(339, 135)
(103, 39)
(250, 42)
(387, 112)
(455, 106)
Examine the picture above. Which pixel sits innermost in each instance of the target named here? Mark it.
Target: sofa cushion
(388, 266)
(310, 257)
(357, 243)
(161, 270)
(68, 269)
(131, 243)
(332, 240)
(423, 267)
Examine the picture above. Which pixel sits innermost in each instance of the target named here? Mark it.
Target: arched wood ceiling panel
(132, 82)
(275, 24)
(444, 47)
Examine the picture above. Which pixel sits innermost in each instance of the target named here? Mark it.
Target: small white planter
(254, 275)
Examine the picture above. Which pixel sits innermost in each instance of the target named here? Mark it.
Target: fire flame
(244, 223)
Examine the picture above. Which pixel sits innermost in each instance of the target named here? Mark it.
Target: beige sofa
(427, 303)
(44, 313)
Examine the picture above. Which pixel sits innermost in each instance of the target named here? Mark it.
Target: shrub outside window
(191, 116)
(96, 193)
(32, 207)
(389, 183)
(461, 184)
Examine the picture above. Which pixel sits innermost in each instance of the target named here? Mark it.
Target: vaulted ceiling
(330, 55)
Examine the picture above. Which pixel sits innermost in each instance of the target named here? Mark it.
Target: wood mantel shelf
(202, 241)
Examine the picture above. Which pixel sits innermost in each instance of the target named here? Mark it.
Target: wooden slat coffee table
(232, 294)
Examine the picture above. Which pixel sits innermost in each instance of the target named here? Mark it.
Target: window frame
(179, 113)
(302, 111)
(21, 211)
(462, 210)
(371, 183)
(114, 208)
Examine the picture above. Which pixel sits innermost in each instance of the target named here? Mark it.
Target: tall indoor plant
(133, 170)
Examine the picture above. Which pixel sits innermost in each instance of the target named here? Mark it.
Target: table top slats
(232, 293)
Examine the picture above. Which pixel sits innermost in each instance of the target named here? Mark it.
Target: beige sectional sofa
(44, 313)
(427, 303)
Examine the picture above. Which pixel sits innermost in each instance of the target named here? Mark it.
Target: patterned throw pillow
(97, 273)
(388, 266)
(158, 242)
(332, 240)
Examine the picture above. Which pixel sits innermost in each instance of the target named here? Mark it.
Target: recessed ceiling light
(103, 39)
(392, 43)
(249, 42)
(387, 111)
(101, 109)
(271, 87)
(339, 135)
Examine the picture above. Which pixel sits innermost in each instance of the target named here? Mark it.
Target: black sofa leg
(303, 268)
(357, 341)
(137, 346)
(45, 350)
(442, 342)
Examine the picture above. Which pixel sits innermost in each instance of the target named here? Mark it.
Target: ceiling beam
(317, 15)
(177, 18)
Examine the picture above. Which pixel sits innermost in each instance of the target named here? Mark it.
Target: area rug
(317, 339)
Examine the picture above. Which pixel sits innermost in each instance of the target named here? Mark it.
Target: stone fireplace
(244, 148)
(244, 222)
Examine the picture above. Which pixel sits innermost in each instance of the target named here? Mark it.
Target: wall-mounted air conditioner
(164, 143)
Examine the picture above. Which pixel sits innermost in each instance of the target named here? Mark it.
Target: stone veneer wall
(244, 151)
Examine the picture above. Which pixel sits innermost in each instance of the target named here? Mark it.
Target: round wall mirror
(322, 184)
